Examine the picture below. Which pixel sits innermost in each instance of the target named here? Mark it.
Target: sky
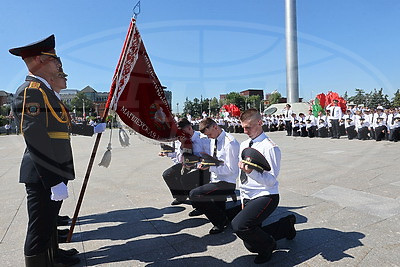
(210, 47)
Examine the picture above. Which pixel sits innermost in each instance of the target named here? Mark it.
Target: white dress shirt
(200, 145)
(266, 183)
(228, 152)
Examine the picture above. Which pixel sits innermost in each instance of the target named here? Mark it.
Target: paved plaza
(344, 194)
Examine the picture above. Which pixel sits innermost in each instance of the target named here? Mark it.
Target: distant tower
(292, 76)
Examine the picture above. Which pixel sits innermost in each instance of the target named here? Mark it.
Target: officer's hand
(244, 167)
(99, 128)
(202, 167)
(59, 192)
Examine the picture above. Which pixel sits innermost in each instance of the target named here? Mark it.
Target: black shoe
(219, 228)
(67, 252)
(63, 260)
(61, 221)
(64, 218)
(177, 201)
(291, 234)
(266, 255)
(62, 231)
(62, 238)
(263, 257)
(195, 212)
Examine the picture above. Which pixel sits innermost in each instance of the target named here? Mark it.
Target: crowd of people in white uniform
(357, 122)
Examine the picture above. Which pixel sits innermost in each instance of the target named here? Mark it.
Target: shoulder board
(34, 85)
(271, 142)
(230, 139)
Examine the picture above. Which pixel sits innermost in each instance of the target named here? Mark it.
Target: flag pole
(96, 144)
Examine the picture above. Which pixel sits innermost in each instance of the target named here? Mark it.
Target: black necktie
(243, 176)
(215, 149)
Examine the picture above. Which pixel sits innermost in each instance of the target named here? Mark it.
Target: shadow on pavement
(145, 226)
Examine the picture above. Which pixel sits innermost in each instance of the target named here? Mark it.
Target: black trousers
(296, 131)
(363, 133)
(42, 218)
(210, 199)
(380, 132)
(335, 128)
(288, 126)
(303, 132)
(247, 224)
(180, 185)
(394, 134)
(351, 132)
(312, 131)
(372, 133)
(323, 132)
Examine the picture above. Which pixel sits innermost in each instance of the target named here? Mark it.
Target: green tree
(359, 98)
(254, 101)
(377, 98)
(196, 112)
(187, 107)
(77, 104)
(396, 99)
(5, 110)
(236, 99)
(345, 96)
(214, 105)
(274, 97)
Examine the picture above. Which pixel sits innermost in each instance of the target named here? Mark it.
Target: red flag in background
(232, 109)
(332, 96)
(136, 94)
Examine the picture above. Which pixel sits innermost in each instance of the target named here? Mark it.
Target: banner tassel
(106, 159)
(123, 138)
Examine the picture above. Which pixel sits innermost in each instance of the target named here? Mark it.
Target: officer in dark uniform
(47, 163)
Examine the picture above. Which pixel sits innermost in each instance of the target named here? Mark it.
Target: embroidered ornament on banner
(139, 98)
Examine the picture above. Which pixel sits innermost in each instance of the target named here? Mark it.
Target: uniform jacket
(46, 126)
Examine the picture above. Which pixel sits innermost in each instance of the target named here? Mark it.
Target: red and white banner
(136, 94)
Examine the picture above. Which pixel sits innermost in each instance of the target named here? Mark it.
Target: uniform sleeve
(179, 153)
(36, 137)
(273, 156)
(82, 129)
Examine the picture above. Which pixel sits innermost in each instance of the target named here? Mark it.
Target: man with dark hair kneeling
(210, 198)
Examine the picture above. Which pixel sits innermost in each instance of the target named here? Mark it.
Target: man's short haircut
(206, 123)
(182, 123)
(250, 114)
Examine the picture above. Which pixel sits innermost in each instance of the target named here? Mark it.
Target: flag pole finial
(136, 10)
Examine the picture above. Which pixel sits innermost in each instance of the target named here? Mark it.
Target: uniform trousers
(312, 131)
(288, 126)
(210, 199)
(247, 224)
(42, 218)
(296, 131)
(362, 133)
(372, 133)
(380, 132)
(303, 131)
(180, 185)
(351, 132)
(335, 128)
(323, 132)
(394, 134)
